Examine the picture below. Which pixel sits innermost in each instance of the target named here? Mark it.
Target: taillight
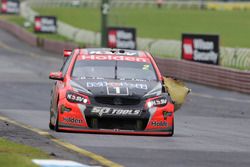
(74, 97)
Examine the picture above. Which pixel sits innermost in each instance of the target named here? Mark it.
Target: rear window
(113, 69)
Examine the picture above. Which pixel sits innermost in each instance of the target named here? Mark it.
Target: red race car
(110, 91)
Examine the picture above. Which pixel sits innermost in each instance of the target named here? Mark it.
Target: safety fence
(196, 72)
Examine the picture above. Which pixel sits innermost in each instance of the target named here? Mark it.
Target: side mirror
(56, 76)
(67, 53)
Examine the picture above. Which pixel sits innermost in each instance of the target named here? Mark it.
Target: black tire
(51, 126)
(57, 120)
(172, 130)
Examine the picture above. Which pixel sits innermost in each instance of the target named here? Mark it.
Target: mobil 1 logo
(200, 48)
(45, 24)
(122, 38)
(10, 6)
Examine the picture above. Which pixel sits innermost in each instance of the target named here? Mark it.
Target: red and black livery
(110, 91)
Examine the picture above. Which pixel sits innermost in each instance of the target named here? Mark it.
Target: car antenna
(112, 50)
(121, 51)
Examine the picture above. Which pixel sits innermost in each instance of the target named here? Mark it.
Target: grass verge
(13, 154)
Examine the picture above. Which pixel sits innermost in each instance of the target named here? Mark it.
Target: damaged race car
(113, 91)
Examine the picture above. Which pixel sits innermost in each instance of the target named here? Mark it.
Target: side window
(66, 64)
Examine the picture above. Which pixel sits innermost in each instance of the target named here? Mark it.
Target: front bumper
(78, 120)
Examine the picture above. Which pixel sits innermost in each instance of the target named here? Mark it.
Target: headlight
(156, 102)
(74, 97)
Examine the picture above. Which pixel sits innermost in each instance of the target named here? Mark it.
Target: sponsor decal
(45, 24)
(114, 58)
(106, 52)
(116, 84)
(159, 102)
(72, 120)
(200, 48)
(114, 112)
(75, 98)
(10, 6)
(116, 90)
(159, 123)
(122, 38)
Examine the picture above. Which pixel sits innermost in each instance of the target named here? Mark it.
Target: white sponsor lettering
(118, 58)
(125, 44)
(47, 21)
(111, 111)
(46, 25)
(127, 53)
(117, 89)
(120, 84)
(203, 45)
(160, 123)
(205, 56)
(12, 7)
(124, 35)
(73, 120)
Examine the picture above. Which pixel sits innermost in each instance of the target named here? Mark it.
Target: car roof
(114, 52)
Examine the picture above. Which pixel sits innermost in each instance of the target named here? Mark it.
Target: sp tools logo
(101, 111)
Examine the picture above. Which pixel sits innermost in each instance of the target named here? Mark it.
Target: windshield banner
(114, 58)
(201, 48)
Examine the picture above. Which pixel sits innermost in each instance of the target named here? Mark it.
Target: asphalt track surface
(212, 128)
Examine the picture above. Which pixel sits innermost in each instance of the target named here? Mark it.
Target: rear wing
(67, 53)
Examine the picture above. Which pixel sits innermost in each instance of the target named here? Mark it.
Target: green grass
(13, 154)
(232, 26)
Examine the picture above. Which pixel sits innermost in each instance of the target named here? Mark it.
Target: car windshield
(123, 70)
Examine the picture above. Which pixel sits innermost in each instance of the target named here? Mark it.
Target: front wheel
(54, 118)
(172, 130)
(51, 127)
